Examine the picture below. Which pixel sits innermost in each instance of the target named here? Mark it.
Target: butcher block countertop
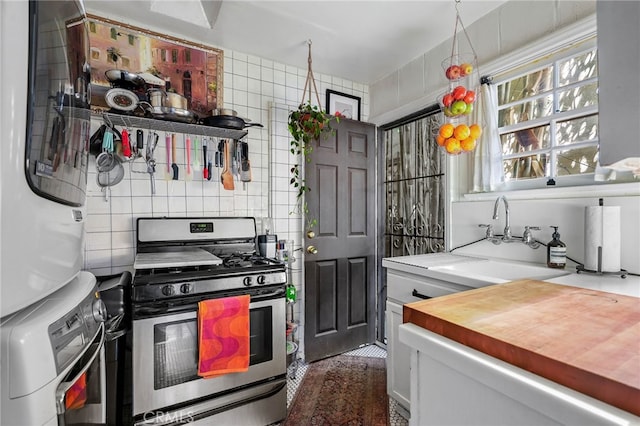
(586, 340)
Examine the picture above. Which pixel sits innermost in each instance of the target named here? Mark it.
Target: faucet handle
(527, 236)
(489, 227)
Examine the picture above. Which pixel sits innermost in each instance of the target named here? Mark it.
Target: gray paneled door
(340, 283)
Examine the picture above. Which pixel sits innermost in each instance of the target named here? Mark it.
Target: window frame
(551, 57)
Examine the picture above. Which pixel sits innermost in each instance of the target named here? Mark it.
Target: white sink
(485, 272)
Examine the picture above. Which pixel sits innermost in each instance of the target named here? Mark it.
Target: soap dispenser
(556, 251)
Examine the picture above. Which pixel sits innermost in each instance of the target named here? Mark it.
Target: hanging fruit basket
(461, 128)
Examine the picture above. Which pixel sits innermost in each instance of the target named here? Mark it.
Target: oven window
(83, 401)
(261, 335)
(175, 353)
(176, 347)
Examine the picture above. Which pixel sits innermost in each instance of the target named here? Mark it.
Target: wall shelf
(170, 126)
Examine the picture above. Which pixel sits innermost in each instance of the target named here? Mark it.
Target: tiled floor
(295, 378)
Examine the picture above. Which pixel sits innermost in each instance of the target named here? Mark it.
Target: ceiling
(362, 41)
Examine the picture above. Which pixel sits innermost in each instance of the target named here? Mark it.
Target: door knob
(312, 250)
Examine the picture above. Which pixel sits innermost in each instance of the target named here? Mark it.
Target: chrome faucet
(507, 225)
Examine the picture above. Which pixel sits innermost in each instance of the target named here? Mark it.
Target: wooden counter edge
(617, 394)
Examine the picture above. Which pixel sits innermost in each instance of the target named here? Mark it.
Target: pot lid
(151, 79)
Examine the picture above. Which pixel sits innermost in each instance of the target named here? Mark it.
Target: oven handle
(203, 410)
(61, 392)
(173, 307)
(274, 390)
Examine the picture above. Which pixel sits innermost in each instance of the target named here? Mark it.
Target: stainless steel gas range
(180, 262)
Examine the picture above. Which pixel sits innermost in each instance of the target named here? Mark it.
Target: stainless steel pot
(175, 100)
(156, 97)
(224, 111)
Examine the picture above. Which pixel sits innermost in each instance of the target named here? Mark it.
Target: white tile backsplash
(253, 87)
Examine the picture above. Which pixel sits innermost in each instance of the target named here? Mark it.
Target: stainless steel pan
(228, 122)
(126, 77)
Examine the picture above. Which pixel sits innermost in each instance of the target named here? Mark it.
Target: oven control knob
(185, 288)
(99, 311)
(247, 281)
(168, 290)
(261, 279)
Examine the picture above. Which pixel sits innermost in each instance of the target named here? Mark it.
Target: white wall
(567, 212)
(502, 31)
(515, 26)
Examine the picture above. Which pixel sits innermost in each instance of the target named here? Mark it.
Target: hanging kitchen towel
(223, 333)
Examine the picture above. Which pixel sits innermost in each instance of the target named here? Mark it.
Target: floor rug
(342, 390)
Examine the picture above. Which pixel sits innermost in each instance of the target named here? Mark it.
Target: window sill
(586, 191)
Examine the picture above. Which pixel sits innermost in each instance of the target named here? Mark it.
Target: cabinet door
(398, 357)
(619, 86)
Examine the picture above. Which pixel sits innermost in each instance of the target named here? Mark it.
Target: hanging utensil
(205, 170)
(151, 162)
(245, 165)
(189, 175)
(209, 165)
(167, 143)
(139, 142)
(221, 154)
(227, 176)
(174, 164)
(110, 170)
(126, 145)
(196, 154)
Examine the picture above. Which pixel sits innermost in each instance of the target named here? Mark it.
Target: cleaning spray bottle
(556, 251)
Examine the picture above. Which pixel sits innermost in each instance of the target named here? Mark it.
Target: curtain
(487, 168)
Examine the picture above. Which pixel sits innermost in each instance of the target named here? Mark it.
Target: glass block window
(548, 117)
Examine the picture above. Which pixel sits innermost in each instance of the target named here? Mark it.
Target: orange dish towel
(223, 332)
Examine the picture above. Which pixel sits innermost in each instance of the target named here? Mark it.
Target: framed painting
(347, 106)
(192, 70)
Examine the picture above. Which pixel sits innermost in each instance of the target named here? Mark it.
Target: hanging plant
(306, 125)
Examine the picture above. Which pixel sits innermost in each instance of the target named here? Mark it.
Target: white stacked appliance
(51, 321)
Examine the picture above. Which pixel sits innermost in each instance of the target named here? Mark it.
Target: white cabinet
(398, 356)
(404, 287)
(619, 86)
(453, 384)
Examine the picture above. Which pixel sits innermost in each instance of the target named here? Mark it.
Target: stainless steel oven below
(165, 356)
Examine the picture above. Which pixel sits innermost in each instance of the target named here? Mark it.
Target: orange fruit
(468, 144)
(476, 131)
(461, 132)
(440, 140)
(452, 145)
(446, 130)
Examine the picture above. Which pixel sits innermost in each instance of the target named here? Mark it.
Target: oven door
(165, 357)
(81, 396)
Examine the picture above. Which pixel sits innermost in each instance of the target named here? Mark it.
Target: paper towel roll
(602, 235)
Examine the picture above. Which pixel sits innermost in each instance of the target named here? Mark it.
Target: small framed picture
(347, 106)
